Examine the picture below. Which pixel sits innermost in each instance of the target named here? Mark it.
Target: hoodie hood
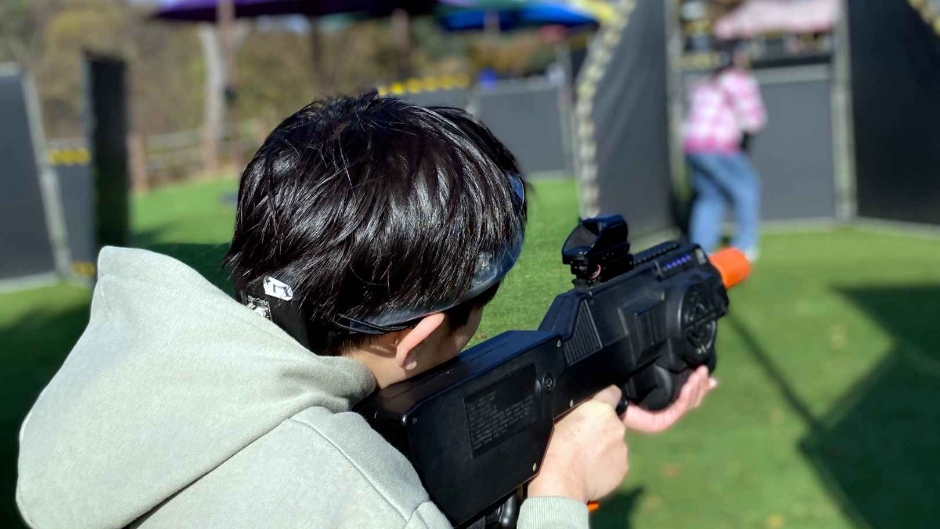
(171, 378)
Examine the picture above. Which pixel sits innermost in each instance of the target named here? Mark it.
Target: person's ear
(409, 339)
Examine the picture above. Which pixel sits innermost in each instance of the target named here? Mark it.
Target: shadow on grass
(33, 348)
(878, 449)
(615, 510)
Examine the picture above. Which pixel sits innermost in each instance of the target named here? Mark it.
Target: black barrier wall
(76, 188)
(527, 117)
(895, 60)
(107, 138)
(630, 125)
(25, 247)
(794, 153)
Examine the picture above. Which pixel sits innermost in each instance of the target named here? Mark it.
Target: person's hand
(690, 397)
(586, 457)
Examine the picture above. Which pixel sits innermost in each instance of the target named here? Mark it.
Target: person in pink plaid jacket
(725, 109)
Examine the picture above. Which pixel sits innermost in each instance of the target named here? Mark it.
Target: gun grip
(504, 515)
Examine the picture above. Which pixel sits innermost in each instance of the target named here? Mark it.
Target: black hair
(365, 205)
(725, 50)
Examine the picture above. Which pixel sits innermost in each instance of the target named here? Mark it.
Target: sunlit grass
(826, 415)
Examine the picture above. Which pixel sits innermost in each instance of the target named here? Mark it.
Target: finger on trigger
(610, 395)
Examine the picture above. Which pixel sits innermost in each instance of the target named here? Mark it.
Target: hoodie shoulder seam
(355, 465)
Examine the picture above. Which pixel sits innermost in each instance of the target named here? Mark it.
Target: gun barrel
(732, 264)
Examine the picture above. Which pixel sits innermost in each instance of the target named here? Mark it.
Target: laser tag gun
(475, 428)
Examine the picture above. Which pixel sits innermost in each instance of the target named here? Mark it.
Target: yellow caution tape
(413, 85)
(83, 268)
(430, 83)
(69, 157)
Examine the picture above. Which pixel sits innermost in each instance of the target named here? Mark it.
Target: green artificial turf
(826, 414)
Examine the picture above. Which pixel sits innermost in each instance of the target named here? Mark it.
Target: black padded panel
(75, 186)
(528, 120)
(896, 108)
(25, 248)
(107, 136)
(631, 126)
(794, 154)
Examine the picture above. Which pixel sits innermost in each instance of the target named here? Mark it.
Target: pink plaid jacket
(721, 109)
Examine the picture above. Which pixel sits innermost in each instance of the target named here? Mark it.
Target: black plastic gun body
(476, 428)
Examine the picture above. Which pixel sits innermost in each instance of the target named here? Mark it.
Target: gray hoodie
(179, 407)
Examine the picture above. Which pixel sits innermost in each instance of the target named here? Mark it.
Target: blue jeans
(722, 180)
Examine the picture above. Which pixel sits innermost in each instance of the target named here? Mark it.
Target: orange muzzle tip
(592, 506)
(732, 265)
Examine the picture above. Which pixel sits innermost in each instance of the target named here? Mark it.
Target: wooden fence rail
(172, 156)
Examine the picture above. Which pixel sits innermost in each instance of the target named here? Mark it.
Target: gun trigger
(622, 406)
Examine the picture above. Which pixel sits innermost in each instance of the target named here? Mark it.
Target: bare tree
(219, 44)
(21, 30)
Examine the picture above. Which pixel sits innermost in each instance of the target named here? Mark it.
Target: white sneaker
(752, 255)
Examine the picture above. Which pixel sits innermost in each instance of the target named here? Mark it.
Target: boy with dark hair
(379, 213)
(370, 232)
